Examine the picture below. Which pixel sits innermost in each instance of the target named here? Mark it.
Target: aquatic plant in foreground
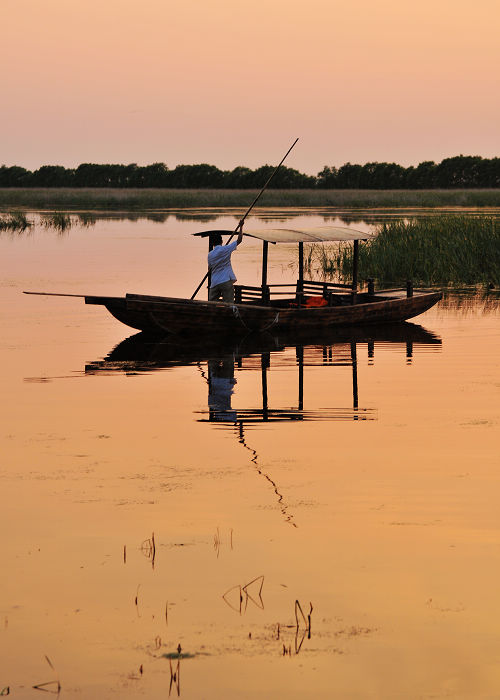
(445, 250)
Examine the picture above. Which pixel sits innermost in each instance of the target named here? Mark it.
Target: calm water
(357, 475)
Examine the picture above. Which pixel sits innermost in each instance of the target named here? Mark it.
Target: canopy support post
(355, 260)
(300, 281)
(211, 246)
(265, 290)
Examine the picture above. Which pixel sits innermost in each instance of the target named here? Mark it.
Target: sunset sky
(231, 82)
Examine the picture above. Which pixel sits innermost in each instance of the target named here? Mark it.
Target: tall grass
(15, 221)
(119, 199)
(57, 220)
(446, 250)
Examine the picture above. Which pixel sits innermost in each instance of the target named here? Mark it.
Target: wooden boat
(301, 306)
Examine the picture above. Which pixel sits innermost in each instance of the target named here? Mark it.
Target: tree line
(457, 172)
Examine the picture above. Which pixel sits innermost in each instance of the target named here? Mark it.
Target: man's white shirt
(219, 262)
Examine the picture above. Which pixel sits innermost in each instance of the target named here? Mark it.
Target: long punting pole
(56, 294)
(242, 220)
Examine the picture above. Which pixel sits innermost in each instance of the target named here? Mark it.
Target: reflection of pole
(371, 349)
(409, 350)
(299, 353)
(282, 505)
(264, 364)
(354, 361)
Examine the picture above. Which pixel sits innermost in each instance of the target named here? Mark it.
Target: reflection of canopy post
(354, 360)
(299, 354)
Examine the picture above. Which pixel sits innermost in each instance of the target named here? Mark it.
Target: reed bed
(15, 221)
(57, 220)
(446, 250)
(151, 198)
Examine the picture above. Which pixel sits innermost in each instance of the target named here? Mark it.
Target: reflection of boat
(143, 352)
(303, 305)
(261, 352)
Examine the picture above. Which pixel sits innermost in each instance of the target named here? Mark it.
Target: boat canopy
(318, 234)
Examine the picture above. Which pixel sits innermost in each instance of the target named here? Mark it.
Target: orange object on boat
(311, 302)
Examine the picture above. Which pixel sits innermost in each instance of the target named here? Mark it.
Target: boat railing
(299, 290)
(245, 293)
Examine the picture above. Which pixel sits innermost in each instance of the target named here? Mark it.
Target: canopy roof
(318, 234)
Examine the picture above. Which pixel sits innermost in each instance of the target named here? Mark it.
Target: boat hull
(168, 315)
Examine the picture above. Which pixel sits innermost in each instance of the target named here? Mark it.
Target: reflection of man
(220, 388)
(219, 264)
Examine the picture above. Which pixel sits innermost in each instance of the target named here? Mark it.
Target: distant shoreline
(115, 199)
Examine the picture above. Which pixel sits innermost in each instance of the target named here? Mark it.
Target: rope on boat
(273, 323)
(237, 315)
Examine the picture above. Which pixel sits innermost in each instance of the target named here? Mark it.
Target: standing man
(219, 264)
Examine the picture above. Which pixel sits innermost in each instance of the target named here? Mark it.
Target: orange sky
(231, 82)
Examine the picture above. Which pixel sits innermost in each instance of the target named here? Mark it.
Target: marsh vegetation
(123, 199)
(445, 250)
(57, 220)
(15, 221)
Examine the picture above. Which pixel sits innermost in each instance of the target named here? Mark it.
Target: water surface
(356, 474)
